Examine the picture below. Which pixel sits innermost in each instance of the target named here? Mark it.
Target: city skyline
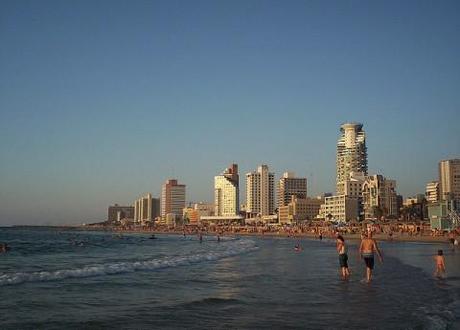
(98, 113)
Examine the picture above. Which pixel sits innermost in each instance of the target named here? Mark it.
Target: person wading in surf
(366, 251)
(343, 256)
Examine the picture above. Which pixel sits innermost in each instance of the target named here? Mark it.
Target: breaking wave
(234, 248)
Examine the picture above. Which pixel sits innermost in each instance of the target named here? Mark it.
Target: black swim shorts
(343, 260)
(369, 262)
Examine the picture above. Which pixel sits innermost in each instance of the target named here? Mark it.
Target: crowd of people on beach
(388, 231)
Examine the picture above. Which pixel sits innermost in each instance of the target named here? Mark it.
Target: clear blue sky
(101, 101)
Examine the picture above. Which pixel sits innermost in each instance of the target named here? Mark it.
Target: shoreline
(397, 237)
(351, 237)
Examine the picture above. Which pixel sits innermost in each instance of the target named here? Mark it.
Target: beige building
(289, 186)
(432, 192)
(299, 209)
(260, 192)
(347, 206)
(340, 208)
(449, 180)
(194, 213)
(146, 209)
(379, 197)
(417, 199)
(351, 153)
(172, 198)
(116, 213)
(353, 185)
(226, 192)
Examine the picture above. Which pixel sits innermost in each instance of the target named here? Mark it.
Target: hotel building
(260, 192)
(146, 208)
(432, 192)
(449, 180)
(172, 198)
(351, 153)
(340, 208)
(226, 192)
(289, 186)
(299, 209)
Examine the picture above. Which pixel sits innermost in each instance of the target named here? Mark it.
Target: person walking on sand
(440, 266)
(366, 251)
(343, 256)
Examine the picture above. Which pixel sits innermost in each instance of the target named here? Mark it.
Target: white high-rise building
(340, 208)
(432, 192)
(226, 192)
(172, 198)
(260, 192)
(146, 208)
(351, 153)
(449, 180)
(289, 186)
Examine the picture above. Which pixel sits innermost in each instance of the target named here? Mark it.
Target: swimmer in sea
(440, 265)
(366, 251)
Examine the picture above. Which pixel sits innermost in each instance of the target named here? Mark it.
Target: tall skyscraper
(449, 180)
(172, 198)
(289, 186)
(260, 192)
(226, 192)
(351, 153)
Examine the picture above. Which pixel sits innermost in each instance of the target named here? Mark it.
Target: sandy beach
(397, 237)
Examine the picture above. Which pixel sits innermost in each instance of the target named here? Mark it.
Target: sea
(68, 279)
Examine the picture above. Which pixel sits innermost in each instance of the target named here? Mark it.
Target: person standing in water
(366, 251)
(440, 266)
(343, 256)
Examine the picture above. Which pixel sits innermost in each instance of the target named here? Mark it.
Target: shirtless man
(366, 251)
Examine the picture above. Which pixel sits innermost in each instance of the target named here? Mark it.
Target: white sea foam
(232, 249)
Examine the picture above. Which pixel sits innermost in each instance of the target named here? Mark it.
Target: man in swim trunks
(366, 251)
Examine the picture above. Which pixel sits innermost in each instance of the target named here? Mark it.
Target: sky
(102, 101)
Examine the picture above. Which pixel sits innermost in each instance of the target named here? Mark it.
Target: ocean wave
(232, 249)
